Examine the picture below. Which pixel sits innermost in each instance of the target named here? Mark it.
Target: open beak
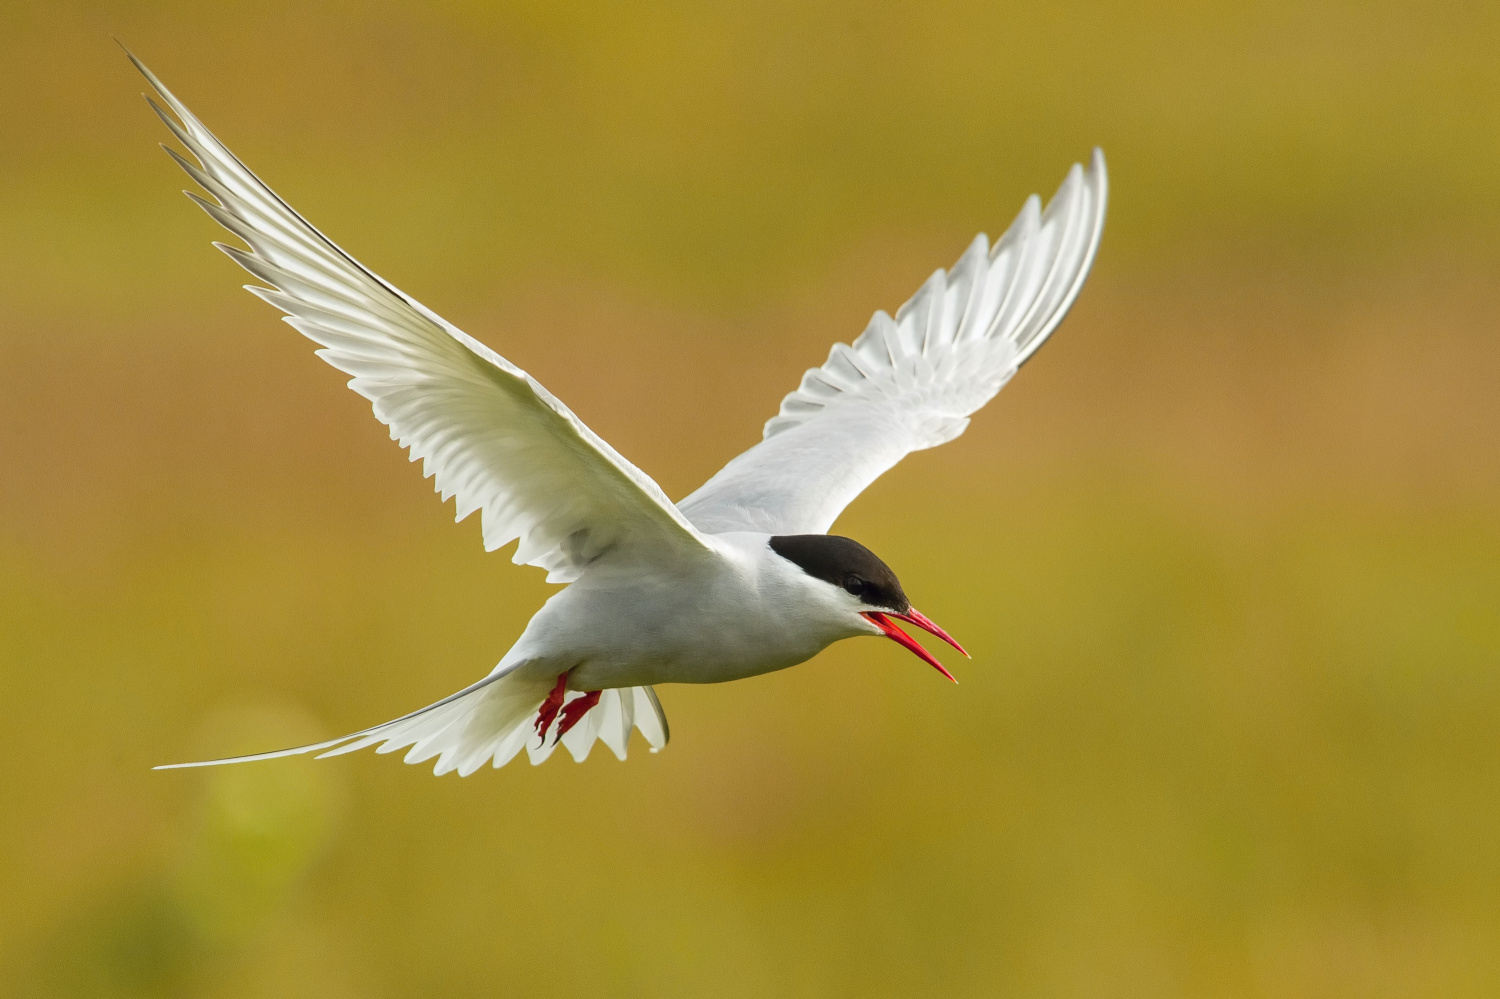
(913, 616)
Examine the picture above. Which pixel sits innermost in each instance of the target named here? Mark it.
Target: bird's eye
(854, 585)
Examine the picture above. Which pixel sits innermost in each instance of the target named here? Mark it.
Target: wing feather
(489, 435)
(912, 381)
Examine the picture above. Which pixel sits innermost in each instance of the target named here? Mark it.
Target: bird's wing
(490, 435)
(911, 382)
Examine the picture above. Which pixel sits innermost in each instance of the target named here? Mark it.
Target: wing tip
(156, 84)
(128, 54)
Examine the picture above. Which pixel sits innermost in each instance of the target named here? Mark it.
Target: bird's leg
(554, 702)
(574, 710)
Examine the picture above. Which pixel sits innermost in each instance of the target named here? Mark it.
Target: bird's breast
(674, 630)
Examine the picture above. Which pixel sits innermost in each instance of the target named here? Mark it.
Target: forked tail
(492, 720)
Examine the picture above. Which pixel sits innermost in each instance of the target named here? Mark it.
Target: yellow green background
(1226, 552)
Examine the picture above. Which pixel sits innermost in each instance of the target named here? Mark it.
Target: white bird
(738, 579)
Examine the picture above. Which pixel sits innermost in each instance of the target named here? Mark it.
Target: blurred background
(1226, 553)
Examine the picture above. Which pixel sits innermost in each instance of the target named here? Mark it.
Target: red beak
(894, 633)
(922, 621)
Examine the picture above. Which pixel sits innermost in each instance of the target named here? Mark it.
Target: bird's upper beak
(913, 616)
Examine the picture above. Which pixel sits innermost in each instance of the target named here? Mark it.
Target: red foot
(574, 710)
(551, 706)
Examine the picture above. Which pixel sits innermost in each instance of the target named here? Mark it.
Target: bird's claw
(547, 713)
(573, 712)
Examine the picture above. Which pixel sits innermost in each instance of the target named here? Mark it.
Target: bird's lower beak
(894, 633)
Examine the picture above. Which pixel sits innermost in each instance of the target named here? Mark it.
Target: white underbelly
(603, 672)
(670, 633)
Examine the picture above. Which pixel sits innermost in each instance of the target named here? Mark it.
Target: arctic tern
(738, 579)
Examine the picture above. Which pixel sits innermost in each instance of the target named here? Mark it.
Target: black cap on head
(845, 563)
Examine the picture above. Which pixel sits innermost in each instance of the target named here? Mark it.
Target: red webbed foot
(551, 706)
(574, 710)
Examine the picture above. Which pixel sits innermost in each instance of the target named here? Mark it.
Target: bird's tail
(492, 720)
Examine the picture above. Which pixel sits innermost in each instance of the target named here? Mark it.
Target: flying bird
(738, 579)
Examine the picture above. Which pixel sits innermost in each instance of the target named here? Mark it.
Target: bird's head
(864, 587)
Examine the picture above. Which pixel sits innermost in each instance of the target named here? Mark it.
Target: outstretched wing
(912, 382)
(489, 434)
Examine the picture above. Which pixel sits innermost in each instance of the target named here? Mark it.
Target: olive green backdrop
(1226, 553)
